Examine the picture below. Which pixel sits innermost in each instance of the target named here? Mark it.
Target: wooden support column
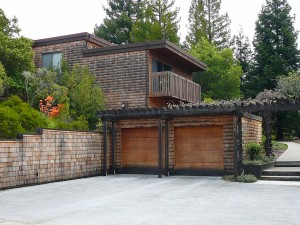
(238, 147)
(160, 148)
(113, 147)
(166, 147)
(104, 157)
(267, 128)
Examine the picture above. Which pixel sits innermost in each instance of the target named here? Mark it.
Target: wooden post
(267, 128)
(238, 147)
(104, 159)
(160, 148)
(166, 147)
(113, 161)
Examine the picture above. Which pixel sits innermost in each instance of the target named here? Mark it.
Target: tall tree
(275, 45)
(276, 53)
(206, 21)
(160, 22)
(222, 79)
(243, 53)
(120, 15)
(16, 54)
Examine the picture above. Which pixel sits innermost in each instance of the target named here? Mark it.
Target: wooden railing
(168, 84)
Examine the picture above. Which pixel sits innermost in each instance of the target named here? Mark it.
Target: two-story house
(139, 75)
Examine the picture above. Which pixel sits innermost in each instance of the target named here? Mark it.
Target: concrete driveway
(141, 199)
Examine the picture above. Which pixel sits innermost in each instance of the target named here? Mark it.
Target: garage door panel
(139, 148)
(199, 148)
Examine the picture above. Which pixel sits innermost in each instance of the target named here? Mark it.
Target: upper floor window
(51, 60)
(158, 66)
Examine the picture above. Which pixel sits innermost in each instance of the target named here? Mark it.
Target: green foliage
(205, 21)
(254, 150)
(69, 124)
(278, 146)
(16, 54)
(290, 86)
(275, 45)
(246, 178)
(160, 22)
(43, 83)
(76, 89)
(3, 79)
(86, 96)
(17, 116)
(120, 15)
(242, 51)
(222, 79)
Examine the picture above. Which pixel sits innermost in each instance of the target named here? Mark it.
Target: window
(158, 66)
(52, 60)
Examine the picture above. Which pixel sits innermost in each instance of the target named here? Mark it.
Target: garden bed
(256, 170)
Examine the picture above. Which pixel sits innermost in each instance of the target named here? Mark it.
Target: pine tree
(160, 22)
(120, 15)
(276, 53)
(275, 45)
(206, 21)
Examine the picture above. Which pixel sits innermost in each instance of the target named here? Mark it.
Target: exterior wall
(123, 78)
(52, 156)
(225, 121)
(72, 52)
(251, 130)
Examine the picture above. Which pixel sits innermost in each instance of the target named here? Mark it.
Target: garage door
(140, 150)
(199, 150)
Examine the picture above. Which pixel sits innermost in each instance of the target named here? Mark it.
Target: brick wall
(52, 156)
(251, 130)
(122, 76)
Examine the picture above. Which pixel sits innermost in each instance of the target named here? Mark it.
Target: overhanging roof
(164, 47)
(70, 38)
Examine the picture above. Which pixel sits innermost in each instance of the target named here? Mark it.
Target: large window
(158, 66)
(52, 60)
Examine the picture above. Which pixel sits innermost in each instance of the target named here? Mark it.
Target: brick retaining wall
(53, 155)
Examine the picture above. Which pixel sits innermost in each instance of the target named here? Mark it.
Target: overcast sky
(41, 19)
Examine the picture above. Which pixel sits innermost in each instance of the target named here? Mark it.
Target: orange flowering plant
(46, 107)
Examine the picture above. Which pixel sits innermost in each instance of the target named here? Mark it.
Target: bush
(254, 151)
(246, 178)
(18, 117)
(10, 123)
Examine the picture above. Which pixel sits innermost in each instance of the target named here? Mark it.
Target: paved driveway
(141, 199)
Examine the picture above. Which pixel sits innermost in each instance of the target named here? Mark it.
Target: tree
(290, 86)
(120, 15)
(3, 79)
(86, 96)
(242, 50)
(160, 22)
(206, 21)
(222, 79)
(275, 53)
(275, 45)
(16, 54)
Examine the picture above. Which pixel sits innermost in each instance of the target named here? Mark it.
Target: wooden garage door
(199, 150)
(139, 150)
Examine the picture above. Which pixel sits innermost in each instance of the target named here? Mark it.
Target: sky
(42, 19)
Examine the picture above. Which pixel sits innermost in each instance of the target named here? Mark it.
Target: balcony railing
(168, 84)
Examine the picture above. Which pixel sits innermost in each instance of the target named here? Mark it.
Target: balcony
(168, 84)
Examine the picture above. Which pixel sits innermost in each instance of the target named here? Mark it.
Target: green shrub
(18, 117)
(246, 178)
(10, 123)
(254, 151)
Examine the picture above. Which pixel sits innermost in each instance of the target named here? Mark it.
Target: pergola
(236, 108)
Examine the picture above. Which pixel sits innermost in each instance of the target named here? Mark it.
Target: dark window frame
(51, 54)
